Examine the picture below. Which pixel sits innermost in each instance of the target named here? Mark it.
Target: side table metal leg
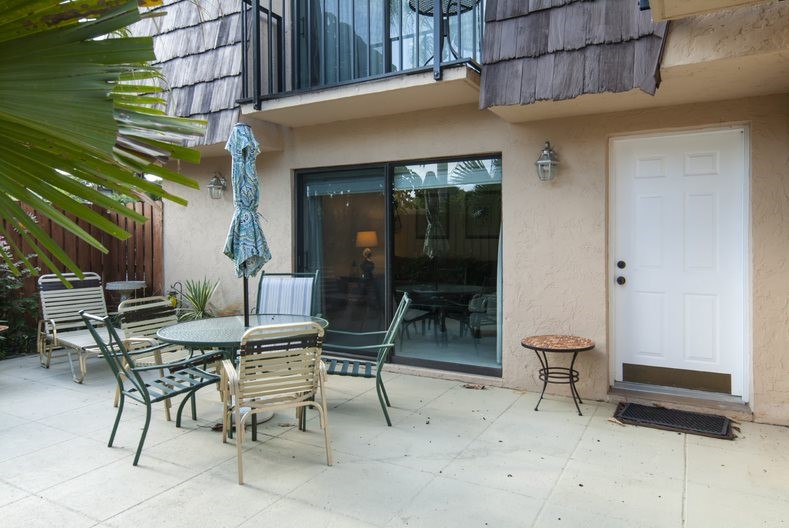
(573, 390)
(543, 375)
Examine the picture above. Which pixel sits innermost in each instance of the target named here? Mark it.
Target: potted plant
(197, 296)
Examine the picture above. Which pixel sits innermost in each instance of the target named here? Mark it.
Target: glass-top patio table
(225, 332)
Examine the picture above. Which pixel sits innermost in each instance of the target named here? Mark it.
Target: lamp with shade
(366, 239)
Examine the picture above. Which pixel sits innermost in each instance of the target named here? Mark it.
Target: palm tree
(79, 105)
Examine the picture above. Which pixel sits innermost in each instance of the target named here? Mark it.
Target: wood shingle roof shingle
(537, 50)
(198, 49)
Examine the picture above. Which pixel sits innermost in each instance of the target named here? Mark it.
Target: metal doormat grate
(673, 420)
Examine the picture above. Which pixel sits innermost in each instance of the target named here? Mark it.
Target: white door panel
(678, 213)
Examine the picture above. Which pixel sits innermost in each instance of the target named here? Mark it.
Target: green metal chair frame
(184, 378)
(143, 317)
(368, 369)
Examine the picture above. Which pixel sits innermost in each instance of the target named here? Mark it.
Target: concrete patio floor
(455, 457)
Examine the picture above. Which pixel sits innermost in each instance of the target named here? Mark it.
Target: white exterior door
(679, 244)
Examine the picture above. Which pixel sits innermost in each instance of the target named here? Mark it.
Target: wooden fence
(137, 258)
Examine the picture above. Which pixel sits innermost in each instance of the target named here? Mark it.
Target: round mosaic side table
(552, 374)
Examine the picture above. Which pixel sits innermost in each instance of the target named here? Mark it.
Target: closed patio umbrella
(245, 245)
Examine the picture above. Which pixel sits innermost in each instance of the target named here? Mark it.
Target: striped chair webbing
(286, 295)
(349, 367)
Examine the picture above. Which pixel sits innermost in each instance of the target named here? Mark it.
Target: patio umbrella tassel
(245, 245)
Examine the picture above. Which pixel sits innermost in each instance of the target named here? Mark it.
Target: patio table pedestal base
(553, 374)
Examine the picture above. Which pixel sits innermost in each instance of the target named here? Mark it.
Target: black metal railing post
(438, 39)
(244, 51)
(270, 43)
(282, 51)
(258, 89)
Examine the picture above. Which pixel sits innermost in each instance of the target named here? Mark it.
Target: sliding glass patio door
(430, 229)
(343, 237)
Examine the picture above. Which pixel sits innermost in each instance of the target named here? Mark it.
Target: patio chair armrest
(151, 342)
(228, 382)
(203, 357)
(342, 332)
(174, 365)
(44, 326)
(347, 348)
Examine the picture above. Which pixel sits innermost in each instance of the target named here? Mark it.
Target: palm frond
(79, 101)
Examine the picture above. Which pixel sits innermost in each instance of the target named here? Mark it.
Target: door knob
(621, 280)
(621, 264)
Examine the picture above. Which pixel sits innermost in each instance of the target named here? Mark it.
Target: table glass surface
(128, 285)
(225, 331)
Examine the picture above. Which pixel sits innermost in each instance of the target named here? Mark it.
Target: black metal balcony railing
(304, 45)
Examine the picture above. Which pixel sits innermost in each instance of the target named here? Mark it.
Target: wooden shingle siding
(198, 48)
(560, 49)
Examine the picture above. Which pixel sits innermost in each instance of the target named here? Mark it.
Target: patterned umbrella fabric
(245, 245)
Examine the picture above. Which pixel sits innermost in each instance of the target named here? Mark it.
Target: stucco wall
(747, 30)
(555, 234)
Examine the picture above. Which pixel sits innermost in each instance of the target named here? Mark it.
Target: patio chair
(61, 326)
(143, 317)
(278, 368)
(184, 378)
(287, 293)
(482, 312)
(362, 368)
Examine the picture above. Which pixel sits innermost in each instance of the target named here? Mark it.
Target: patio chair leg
(383, 404)
(167, 403)
(239, 438)
(83, 366)
(42, 347)
(254, 427)
(144, 433)
(379, 381)
(48, 351)
(117, 420)
(193, 399)
(188, 397)
(323, 412)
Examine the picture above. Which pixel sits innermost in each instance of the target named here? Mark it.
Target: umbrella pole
(246, 303)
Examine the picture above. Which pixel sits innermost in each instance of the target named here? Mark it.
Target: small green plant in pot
(197, 296)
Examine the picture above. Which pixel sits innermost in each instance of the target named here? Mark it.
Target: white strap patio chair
(278, 368)
(287, 293)
(61, 326)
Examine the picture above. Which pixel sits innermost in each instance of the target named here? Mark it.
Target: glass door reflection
(343, 237)
(447, 220)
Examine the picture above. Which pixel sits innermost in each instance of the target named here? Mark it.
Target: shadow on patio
(454, 457)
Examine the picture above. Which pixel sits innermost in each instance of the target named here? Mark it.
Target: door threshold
(684, 399)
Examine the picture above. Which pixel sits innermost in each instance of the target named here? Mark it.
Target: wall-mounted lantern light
(217, 186)
(547, 163)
